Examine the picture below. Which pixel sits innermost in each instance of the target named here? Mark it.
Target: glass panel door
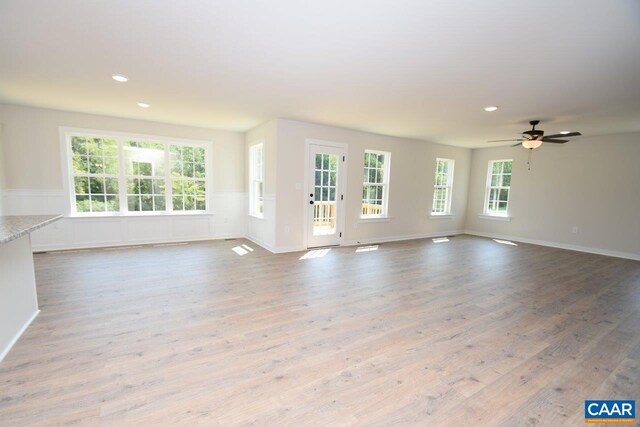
(325, 199)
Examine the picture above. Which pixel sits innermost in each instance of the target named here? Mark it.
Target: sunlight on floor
(440, 240)
(240, 250)
(504, 242)
(367, 248)
(316, 253)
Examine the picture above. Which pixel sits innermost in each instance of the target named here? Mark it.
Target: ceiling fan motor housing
(533, 134)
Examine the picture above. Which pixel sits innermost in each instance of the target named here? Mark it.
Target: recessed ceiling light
(490, 108)
(143, 105)
(564, 132)
(119, 78)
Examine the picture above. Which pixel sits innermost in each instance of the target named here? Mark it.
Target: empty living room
(319, 213)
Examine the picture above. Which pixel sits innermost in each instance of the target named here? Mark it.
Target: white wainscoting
(228, 219)
(262, 230)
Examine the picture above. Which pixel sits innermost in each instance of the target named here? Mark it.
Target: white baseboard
(597, 251)
(17, 336)
(49, 248)
(261, 244)
(401, 238)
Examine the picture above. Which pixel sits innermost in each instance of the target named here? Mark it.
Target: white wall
(410, 193)
(262, 230)
(2, 170)
(592, 183)
(33, 181)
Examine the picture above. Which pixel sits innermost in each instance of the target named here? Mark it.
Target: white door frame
(342, 177)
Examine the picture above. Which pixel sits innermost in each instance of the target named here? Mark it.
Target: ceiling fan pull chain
(529, 159)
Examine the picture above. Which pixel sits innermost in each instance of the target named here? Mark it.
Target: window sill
(495, 217)
(140, 215)
(261, 217)
(441, 216)
(367, 219)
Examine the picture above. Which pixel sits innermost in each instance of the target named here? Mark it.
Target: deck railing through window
(371, 209)
(324, 214)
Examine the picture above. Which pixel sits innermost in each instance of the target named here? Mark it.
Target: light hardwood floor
(466, 332)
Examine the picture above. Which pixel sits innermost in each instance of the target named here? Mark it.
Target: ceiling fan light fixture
(490, 108)
(531, 143)
(565, 132)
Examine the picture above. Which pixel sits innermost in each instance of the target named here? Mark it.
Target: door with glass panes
(326, 200)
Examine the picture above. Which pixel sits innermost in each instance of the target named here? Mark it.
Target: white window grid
(256, 178)
(499, 175)
(443, 187)
(95, 181)
(375, 184)
(115, 182)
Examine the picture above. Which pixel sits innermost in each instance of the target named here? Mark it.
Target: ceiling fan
(535, 137)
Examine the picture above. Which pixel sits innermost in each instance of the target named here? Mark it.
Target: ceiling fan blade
(515, 145)
(564, 135)
(554, 141)
(506, 140)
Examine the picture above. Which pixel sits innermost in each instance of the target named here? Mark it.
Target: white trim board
(597, 251)
(17, 336)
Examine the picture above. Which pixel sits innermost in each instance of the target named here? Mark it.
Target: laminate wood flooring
(464, 332)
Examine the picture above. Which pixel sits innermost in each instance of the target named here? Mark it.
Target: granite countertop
(13, 227)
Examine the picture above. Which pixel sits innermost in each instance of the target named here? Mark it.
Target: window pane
(497, 167)
(98, 204)
(201, 204)
(146, 203)
(111, 185)
(178, 203)
(133, 203)
(507, 167)
(506, 180)
(96, 185)
(177, 186)
(80, 164)
(199, 171)
(113, 203)
(188, 170)
(81, 185)
(82, 204)
(189, 203)
(160, 203)
(96, 165)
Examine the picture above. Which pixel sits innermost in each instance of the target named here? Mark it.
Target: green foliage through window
(130, 176)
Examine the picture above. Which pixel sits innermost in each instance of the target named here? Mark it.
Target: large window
(498, 187)
(375, 188)
(133, 175)
(256, 180)
(442, 187)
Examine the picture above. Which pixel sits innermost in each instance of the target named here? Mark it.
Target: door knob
(311, 195)
(311, 202)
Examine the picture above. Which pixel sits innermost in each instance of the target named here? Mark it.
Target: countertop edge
(28, 229)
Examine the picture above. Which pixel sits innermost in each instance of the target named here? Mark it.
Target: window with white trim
(375, 188)
(442, 187)
(127, 175)
(498, 187)
(256, 180)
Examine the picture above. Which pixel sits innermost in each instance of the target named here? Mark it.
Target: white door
(325, 197)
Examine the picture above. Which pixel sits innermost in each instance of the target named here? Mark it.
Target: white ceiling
(419, 69)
